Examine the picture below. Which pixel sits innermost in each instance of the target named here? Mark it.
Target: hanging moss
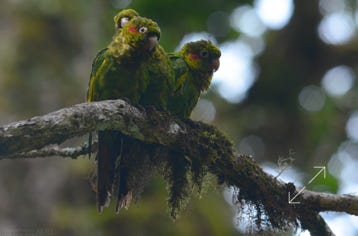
(204, 155)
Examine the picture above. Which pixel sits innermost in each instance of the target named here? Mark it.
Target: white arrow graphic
(322, 169)
(290, 200)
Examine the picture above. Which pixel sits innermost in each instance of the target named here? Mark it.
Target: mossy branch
(202, 143)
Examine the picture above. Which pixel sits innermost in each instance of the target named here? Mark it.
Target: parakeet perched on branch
(134, 154)
(132, 62)
(120, 20)
(194, 66)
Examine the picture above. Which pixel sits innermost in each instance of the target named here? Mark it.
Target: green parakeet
(120, 20)
(134, 168)
(135, 154)
(125, 69)
(194, 66)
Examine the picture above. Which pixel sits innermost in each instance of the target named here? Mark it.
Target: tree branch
(58, 126)
(195, 139)
(315, 224)
(54, 150)
(330, 202)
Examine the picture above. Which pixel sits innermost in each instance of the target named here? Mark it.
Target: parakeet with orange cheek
(120, 20)
(132, 62)
(194, 66)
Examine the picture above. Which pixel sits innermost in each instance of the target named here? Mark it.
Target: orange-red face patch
(193, 56)
(132, 29)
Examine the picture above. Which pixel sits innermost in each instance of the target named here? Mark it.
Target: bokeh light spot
(347, 154)
(336, 28)
(275, 14)
(311, 98)
(204, 111)
(338, 80)
(257, 44)
(236, 73)
(352, 126)
(245, 19)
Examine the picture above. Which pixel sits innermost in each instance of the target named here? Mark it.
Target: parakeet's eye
(124, 21)
(204, 53)
(142, 29)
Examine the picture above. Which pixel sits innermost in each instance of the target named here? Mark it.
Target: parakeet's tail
(109, 145)
(124, 194)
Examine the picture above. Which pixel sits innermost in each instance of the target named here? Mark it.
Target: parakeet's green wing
(185, 94)
(180, 68)
(100, 67)
(97, 62)
(108, 149)
(92, 93)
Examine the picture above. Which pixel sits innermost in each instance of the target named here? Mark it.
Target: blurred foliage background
(286, 89)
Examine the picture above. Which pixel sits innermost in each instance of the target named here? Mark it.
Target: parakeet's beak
(152, 42)
(153, 39)
(215, 64)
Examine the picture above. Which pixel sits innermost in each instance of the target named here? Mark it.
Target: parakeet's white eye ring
(204, 53)
(142, 29)
(124, 21)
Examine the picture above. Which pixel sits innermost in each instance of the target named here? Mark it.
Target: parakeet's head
(202, 57)
(123, 17)
(138, 37)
